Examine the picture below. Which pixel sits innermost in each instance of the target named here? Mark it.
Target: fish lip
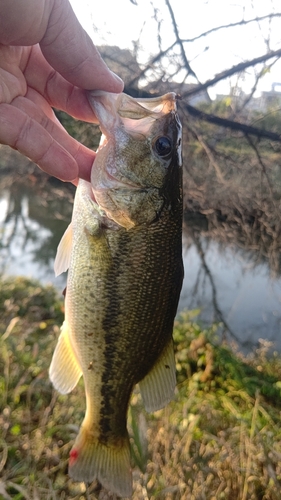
(109, 181)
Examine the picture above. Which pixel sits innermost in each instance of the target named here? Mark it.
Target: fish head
(137, 170)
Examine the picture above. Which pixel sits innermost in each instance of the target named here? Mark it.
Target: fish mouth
(108, 184)
(108, 181)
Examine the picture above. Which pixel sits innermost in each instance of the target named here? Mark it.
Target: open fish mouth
(136, 115)
(140, 139)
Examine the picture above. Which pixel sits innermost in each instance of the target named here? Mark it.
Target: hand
(47, 60)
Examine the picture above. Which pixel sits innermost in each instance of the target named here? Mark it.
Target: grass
(219, 439)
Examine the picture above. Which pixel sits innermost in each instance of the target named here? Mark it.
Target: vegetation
(233, 181)
(219, 439)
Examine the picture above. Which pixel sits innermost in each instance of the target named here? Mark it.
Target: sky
(122, 22)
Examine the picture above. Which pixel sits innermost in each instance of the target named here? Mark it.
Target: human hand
(47, 60)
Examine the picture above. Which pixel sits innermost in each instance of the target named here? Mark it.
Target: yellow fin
(62, 259)
(158, 386)
(64, 370)
(109, 464)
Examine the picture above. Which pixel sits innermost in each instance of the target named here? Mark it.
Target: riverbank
(219, 439)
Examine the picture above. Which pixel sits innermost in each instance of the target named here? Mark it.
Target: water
(31, 225)
(227, 288)
(224, 282)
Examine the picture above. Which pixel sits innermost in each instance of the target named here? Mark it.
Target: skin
(47, 60)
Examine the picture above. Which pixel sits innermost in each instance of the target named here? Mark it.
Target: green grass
(219, 439)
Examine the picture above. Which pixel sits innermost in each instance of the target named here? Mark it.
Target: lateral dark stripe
(111, 326)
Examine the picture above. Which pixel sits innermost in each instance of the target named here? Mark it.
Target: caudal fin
(110, 465)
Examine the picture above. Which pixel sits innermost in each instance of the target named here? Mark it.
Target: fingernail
(117, 79)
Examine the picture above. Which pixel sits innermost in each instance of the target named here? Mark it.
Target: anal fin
(65, 370)
(158, 386)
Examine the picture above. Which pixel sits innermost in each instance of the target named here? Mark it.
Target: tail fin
(110, 465)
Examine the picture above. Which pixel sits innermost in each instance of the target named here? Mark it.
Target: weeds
(219, 439)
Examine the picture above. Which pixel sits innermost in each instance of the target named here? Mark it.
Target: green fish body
(123, 251)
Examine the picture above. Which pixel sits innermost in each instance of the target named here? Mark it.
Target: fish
(123, 252)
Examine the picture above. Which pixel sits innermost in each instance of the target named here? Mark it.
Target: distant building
(267, 99)
(271, 98)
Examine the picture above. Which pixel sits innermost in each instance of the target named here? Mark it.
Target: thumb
(71, 52)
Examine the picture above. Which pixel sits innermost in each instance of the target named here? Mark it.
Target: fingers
(64, 43)
(57, 91)
(26, 135)
(69, 49)
(57, 74)
(31, 132)
(35, 106)
(23, 23)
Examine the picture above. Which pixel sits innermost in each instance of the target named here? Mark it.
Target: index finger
(59, 93)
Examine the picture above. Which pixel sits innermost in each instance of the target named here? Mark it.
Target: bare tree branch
(179, 41)
(209, 83)
(233, 125)
(150, 64)
(231, 71)
(257, 79)
(209, 154)
(264, 170)
(232, 25)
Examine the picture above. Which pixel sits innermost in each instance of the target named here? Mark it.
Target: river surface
(222, 281)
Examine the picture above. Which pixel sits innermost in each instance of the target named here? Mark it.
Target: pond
(224, 282)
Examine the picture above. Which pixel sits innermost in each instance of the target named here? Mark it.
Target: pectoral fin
(65, 370)
(62, 259)
(158, 387)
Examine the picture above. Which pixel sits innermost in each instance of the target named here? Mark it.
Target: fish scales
(123, 250)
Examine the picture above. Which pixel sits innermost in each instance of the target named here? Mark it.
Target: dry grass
(219, 439)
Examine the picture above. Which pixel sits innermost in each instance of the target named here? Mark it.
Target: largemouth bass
(124, 254)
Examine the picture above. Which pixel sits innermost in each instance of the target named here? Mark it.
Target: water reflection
(32, 220)
(228, 289)
(226, 282)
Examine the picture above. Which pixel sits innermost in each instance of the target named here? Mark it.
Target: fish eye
(163, 146)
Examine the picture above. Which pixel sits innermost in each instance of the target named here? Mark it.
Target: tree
(232, 152)
(231, 145)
